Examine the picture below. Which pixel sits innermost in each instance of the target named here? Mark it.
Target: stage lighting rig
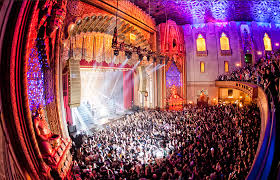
(128, 48)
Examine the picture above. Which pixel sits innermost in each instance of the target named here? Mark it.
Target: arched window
(267, 42)
(200, 43)
(224, 42)
(226, 66)
(202, 66)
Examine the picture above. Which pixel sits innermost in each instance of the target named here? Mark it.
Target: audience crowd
(264, 73)
(210, 142)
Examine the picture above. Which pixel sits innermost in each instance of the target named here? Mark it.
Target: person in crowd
(264, 73)
(210, 142)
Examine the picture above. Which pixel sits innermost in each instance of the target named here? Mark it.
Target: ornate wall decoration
(75, 8)
(173, 76)
(247, 41)
(220, 9)
(199, 9)
(134, 11)
(275, 12)
(171, 38)
(266, 11)
(35, 80)
(41, 69)
(203, 11)
(172, 44)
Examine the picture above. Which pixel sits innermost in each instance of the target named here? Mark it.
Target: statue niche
(47, 141)
(54, 149)
(175, 99)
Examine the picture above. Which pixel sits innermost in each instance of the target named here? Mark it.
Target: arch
(267, 42)
(200, 43)
(202, 66)
(224, 42)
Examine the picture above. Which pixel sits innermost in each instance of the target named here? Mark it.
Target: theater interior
(139, 89)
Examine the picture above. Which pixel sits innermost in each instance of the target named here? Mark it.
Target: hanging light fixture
(115, 36)
(129, 49)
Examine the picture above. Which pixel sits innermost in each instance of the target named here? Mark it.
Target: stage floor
(98, 123)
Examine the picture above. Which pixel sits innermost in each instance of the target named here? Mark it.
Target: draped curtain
(66, 99)
(127, 89)
(96, 46)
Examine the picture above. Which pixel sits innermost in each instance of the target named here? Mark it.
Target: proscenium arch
(105, 23)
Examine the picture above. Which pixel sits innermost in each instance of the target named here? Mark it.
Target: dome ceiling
(201, 11)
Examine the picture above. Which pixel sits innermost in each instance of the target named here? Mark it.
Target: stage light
(259, 53)
(116, 52)
(276, 44)
(159, 154)
(132, 37)
(237, 65)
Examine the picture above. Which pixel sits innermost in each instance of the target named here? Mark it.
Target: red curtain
(66, 99)
(127, 89)
(90, 64)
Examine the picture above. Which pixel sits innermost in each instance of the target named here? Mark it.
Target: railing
(267, 102)
(263, 160)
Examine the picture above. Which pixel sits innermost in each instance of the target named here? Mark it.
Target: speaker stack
(74, 83)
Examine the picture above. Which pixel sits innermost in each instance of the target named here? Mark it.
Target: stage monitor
(74, 83)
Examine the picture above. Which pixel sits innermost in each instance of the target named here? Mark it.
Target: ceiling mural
(202, 11)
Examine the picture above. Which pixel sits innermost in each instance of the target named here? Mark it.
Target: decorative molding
(248, 88)
(128, 11)
(202, 53)
(225, 52)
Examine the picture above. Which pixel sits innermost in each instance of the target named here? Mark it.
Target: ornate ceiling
(201, 11)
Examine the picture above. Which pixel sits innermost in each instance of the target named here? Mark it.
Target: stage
(106, 95)
(87, 118)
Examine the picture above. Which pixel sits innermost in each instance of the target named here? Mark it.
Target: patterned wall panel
(200, 11)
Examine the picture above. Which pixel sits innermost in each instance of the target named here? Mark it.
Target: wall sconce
(277, 44)
(259, 53)
(237, 65)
